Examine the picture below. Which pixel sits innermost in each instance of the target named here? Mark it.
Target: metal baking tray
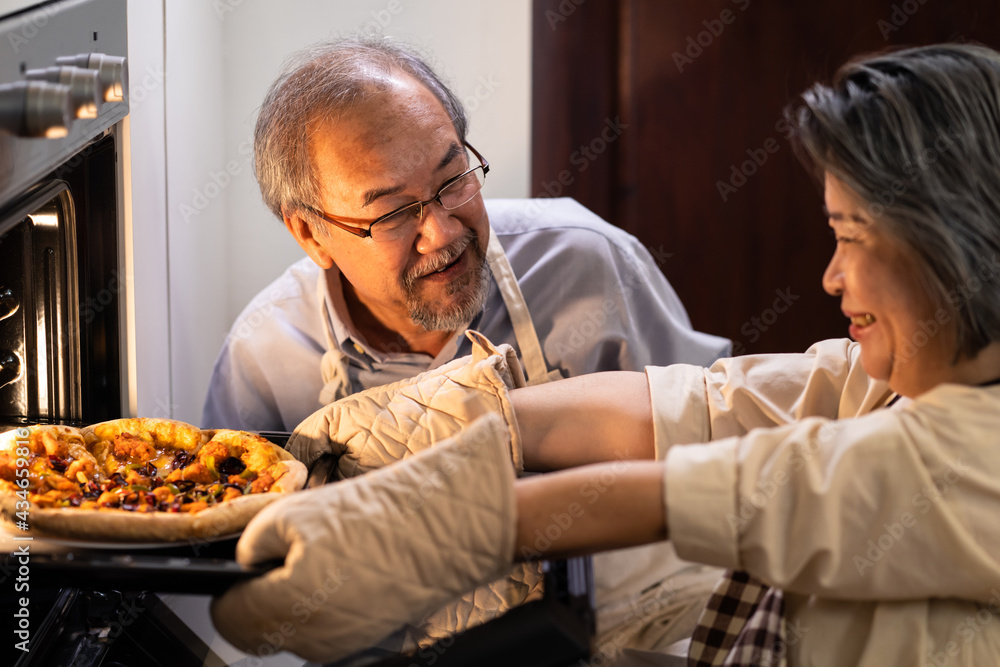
(167, 570)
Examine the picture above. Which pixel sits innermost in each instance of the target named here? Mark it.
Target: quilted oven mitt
(380, 425)
(365, 556)
(385, 424)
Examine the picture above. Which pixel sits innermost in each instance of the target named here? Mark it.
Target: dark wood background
(643, 107)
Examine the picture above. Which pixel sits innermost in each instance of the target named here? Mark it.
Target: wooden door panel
(685, 101)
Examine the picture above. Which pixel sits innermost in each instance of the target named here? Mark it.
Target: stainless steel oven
(64, 301)
(65, 315)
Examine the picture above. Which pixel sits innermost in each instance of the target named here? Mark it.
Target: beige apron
(333, 365)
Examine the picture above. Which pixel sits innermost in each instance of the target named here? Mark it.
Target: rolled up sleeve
(700, 492)
(680, 406)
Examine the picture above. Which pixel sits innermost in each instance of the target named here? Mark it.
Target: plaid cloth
(742, 625)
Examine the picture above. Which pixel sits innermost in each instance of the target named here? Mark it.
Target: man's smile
(448, 265)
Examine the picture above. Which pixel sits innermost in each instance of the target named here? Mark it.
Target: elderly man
(361, 151)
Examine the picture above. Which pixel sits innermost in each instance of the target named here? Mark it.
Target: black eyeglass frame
(352, 224)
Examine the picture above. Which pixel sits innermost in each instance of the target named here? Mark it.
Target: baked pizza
(139, 479)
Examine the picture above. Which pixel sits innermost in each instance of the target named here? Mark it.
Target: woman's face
(876, 278)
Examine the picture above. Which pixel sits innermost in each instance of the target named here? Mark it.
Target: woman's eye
(841, 238)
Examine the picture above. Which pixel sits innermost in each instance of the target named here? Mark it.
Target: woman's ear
(304, 235)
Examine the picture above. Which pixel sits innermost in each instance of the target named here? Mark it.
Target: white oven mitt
(364, 556)
(380, 425)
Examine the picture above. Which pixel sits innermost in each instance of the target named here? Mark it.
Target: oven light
(88, 110)
(56, 132)
(45, 219)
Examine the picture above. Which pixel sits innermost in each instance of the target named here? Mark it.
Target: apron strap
(524, 330)
(333, 365)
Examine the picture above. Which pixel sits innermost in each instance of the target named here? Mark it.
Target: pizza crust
(9, 439)
(177, 434)
(118, 526)
(113, 525)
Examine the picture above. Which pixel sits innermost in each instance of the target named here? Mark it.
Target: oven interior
(60, 281)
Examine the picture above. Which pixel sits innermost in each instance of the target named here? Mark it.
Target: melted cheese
(163, 461)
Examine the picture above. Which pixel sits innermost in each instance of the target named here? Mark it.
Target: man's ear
(303, 233)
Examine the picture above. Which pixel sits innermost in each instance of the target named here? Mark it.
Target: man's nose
(438, 229)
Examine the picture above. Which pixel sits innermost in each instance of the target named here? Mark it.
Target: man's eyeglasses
(404, 220)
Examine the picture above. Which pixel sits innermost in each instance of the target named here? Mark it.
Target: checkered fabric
(740, 626)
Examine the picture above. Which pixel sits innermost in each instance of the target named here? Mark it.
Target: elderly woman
(854, 490)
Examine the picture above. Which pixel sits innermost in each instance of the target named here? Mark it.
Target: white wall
(198, 232)
(219, 58)
(146, 173)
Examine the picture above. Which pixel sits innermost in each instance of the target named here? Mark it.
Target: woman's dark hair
(916, 134)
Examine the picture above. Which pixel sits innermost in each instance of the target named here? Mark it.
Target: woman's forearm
(589, 509)
(586, 419)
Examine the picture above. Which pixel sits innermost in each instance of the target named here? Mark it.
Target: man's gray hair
(323, 81)
(916, 133)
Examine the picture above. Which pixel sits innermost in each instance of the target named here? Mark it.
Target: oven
(64, 259)
(65, 315)
(67, 335)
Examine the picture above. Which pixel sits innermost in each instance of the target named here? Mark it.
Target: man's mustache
(441, 260)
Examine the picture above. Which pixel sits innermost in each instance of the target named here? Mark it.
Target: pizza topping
(49, 498)
(132, 448)
(181, 460)
(260, 456)
(109, 499)
(133, 478)
(139, 466)
(135, 501)
(232, 466)
(81, 470)
(213, 450)
(58, 483)
(195, 472)
(58, 464)
(263, 483)
(53, 447)
(163, 494)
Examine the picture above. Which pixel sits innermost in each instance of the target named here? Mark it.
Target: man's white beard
(433, 317)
